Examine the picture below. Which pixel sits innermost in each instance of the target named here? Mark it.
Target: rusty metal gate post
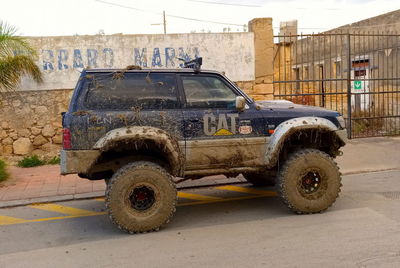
(349, 127)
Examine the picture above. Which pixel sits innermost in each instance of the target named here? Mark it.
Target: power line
(222, 3)
(325, 8)
(201, 20)
(304, 28)
(172, 16)
(128, 7)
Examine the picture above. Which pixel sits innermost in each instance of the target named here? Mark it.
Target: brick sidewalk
(44, 181)
(45, 184)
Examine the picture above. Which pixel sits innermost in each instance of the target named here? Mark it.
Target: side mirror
(240, 103)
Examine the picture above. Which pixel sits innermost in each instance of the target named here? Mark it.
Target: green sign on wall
(357, 85)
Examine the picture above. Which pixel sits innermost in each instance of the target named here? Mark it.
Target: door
(120, 100)
(360, 100)
(360, 74)
(216, 134)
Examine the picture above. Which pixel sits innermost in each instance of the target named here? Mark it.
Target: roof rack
(194, 64)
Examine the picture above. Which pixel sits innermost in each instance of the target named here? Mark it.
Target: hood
(288, 108)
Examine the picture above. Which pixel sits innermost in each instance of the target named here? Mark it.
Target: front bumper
(77, 161)
(342, 134)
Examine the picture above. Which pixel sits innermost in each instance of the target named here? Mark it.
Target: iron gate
(356, 74)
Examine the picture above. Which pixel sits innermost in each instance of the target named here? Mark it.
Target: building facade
(352, 69)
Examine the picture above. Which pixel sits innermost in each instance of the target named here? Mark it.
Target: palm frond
(12, 68)
(10, 44)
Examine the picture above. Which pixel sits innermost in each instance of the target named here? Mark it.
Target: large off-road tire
(260, 179)
(309, 181)
(141, 197)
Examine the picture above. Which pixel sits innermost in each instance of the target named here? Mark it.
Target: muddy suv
(140, 130)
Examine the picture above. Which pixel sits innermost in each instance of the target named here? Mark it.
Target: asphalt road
(225, 227)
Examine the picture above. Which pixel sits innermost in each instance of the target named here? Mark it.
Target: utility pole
(164, 22)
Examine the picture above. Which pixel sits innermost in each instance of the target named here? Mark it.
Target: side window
(207, 92)
(125, 91)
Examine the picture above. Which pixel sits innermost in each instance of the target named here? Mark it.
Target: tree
(17, 58)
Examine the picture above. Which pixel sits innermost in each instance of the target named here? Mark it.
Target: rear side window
(124, 91)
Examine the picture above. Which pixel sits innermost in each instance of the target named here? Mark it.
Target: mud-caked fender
(167, 143)
(287, 128)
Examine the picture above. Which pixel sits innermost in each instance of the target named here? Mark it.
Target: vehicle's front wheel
(309, 181)
(141, 197)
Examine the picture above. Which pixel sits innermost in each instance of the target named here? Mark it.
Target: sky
(71, 17)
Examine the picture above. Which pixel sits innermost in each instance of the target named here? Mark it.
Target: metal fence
(356, 74)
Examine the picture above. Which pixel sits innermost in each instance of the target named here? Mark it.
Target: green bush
(31, 161)
(3, 172)
(54, 161)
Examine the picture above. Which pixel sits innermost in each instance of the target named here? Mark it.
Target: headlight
(341, 121)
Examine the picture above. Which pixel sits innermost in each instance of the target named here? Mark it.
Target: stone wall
(246, 86)
(30, 123)
(263, 88)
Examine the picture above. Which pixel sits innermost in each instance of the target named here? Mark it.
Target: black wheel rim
(142, 198)
(310, 182)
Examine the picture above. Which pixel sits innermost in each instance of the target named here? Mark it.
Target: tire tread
(281, 178)
(128, 168)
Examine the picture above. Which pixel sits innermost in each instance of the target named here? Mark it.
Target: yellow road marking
(77, 213)
(222, 200)
(5, 220)
(49, 219)
(63, 209)
(197, 196)
(103, 213)
(183, 195)
(247, 190)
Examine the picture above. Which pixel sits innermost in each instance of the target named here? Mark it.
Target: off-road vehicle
(140, 129)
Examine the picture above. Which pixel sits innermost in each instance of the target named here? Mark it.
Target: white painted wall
(61, 58)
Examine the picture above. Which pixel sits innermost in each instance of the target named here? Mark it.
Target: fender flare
(167, 143)
(286, 128)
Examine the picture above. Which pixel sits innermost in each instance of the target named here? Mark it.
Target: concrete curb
(49, 199)
(184, 185)
(70, 197)
(368, 171)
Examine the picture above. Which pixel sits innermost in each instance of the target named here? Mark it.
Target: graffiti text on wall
(63, 59)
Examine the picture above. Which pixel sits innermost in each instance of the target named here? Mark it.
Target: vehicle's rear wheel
(261, 179)
(309, 181)
(141, 197)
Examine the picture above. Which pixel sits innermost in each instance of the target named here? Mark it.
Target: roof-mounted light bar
(194, 64)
